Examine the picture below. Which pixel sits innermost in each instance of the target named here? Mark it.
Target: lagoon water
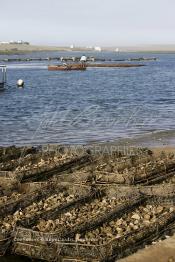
(100, 104)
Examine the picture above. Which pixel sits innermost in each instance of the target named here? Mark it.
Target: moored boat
(1, 85)
(66, 67)
(69, 67)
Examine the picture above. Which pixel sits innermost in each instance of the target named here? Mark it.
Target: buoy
(20, 83)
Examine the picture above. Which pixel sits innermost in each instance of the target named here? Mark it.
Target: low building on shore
(97, 48)
(19, 42)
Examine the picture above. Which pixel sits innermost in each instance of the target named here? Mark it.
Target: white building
(19, 42)
(97, 48)
(4, 43)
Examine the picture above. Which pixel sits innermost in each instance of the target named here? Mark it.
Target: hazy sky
(88, 22)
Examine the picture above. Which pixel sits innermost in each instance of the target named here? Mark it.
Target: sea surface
(99, 104)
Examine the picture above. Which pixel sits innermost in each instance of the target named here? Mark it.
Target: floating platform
(115, 65)
(143, 59)
(76, 59)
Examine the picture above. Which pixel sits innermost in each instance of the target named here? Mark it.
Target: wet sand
(158, 142)
(161, 252)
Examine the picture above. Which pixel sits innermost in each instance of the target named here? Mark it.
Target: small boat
(1, 85)
(67, 67)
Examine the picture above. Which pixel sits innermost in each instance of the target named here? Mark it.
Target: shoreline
(10, 49)
(152, 140)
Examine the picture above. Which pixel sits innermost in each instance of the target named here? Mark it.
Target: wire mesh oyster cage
(37, 239)
(12, 219)
(87, 197)
(59, 250)
(71, 246)
(158, 190)
(38, 165)
(38, 252)
(163, 194)
(156, 170)
(161, 190)
(25, 199)
(79, 195)
(5, 240)
(9, 181)
(46, 172)
(13, 152)
(100, 174)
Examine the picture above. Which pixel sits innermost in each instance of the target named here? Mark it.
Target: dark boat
(1, 85)
(67, 67)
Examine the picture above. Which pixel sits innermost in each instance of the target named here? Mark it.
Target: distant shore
(7, 49)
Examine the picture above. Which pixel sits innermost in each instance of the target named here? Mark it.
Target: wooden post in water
(4, 76)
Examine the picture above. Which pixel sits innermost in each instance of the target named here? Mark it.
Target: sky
(88, 22)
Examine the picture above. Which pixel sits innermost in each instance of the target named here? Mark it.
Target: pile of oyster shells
(141, 217)
(36, 208)
(13, 197)
(79, 215)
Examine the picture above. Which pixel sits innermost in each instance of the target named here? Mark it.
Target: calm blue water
(82, 107)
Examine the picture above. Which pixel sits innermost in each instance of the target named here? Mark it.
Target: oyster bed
(85, 206)
(71, 219)
(141, 169)
(141, 217)
(141, 172)
(14, 196)
(41, 165)
(12, 153)
(103, 241)
(49, 198)
(36, 208)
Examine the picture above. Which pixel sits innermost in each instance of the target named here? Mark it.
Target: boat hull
(2, 85)
(81, 67)
(66, 68)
